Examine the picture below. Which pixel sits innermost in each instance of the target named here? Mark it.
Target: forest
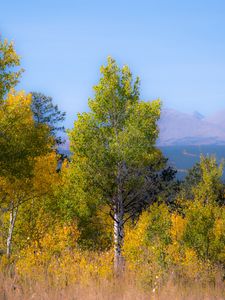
(111, 220)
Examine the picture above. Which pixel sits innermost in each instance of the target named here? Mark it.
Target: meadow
(111, 221)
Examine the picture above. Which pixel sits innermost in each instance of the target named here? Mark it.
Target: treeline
(115, 206)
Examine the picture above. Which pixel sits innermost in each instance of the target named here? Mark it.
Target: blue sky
(176, 47)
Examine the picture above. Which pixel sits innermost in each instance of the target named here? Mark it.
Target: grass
(123, 288)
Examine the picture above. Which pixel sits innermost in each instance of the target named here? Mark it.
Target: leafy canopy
(116, 139)
(9, 61)
(20, 139)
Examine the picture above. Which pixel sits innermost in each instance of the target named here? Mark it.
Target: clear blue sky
(176, 47)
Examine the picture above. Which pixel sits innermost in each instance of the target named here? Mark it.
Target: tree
(204, 230)
(204, 181)
(159, 185)
(113, 146)
(28, 194)
(210, 188)
(9, 60)
(45, 112)
(26, 201)
(20, 139)
(21, 142)
(191, 180)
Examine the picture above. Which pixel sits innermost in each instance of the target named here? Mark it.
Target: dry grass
(125, 288)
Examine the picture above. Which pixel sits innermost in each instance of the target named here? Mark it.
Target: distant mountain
(218, 119)
(178, 128)
(198, 115)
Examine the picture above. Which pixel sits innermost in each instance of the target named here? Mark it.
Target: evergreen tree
(45, 112)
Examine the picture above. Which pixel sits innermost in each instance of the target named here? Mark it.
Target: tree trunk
(118, 235)
(12, 220)
(118, 244)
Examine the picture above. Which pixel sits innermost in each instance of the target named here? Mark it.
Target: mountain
(177, 128)
(218, 119)
(198, 115)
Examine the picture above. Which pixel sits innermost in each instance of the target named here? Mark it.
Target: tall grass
(126, 287)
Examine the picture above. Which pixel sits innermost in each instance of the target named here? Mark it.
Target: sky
(176, 47)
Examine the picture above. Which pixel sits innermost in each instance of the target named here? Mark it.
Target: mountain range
(177, 128)
(182, 129)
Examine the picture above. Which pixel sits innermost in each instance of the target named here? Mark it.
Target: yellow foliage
(178, 226)
(143, 257)
(59, 256)
(44, 180)
(45, 175)
(219, 227)
(191, 263)
(174, 253)
(21, 140)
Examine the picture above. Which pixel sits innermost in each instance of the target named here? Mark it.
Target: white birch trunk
(12, 220)
(118, 243)
(118, 234)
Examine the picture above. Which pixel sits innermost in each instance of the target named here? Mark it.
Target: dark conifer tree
(45, 112)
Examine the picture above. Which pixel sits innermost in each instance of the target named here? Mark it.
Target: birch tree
(10, 71)
(113, 149)
(24, 193)
(21, 142)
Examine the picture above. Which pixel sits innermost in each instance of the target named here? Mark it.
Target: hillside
(177, 128)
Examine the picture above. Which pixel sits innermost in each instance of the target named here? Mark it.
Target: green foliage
(93, 221)
(152, 235)
(204, 182)
(191, 180)
(204, 231)
(116, 139)
(210, 187)
(158, 230)
(9, 61)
